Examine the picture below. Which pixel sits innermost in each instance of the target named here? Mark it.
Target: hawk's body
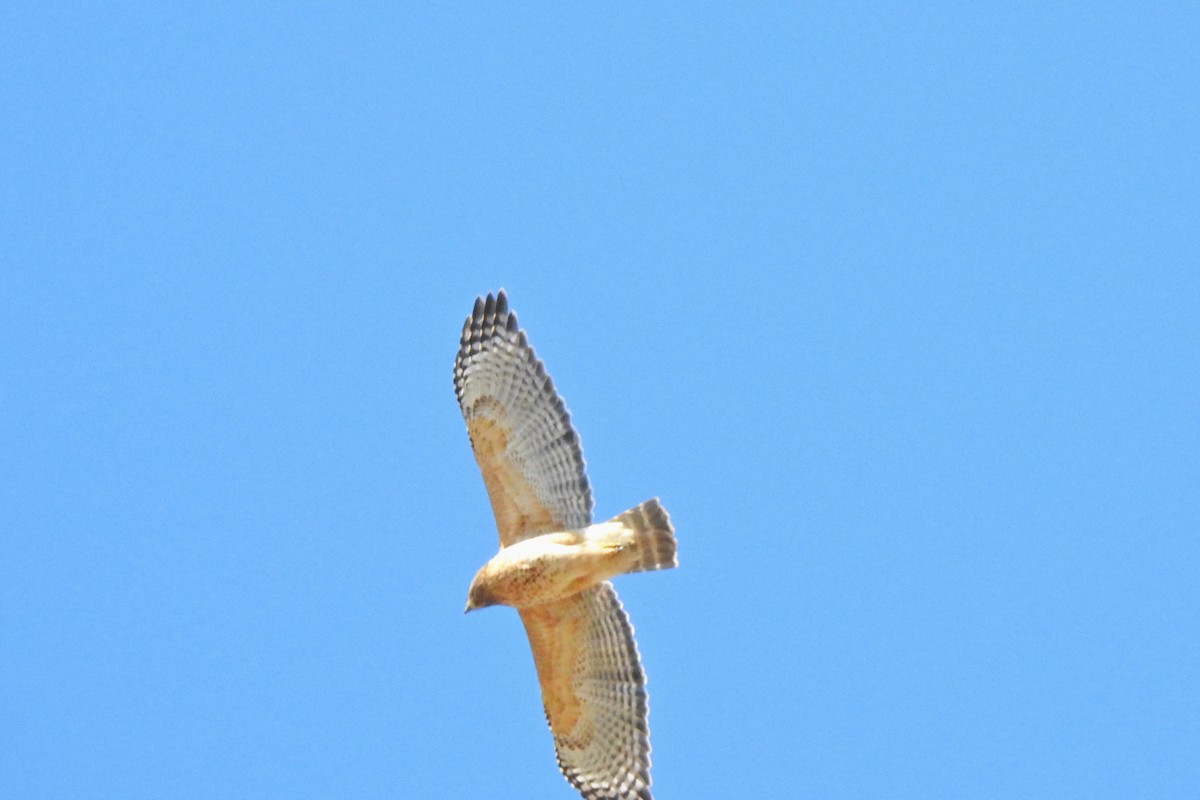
(554, 565)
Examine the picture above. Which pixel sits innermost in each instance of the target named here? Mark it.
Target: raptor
(554, 564)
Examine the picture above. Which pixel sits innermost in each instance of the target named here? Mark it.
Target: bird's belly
(558, 571)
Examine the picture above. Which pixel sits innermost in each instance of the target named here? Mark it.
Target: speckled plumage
(554, 565)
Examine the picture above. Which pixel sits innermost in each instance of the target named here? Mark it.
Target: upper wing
(594, 693)
(520, 430)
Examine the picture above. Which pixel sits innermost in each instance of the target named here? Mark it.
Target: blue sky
(895, 308)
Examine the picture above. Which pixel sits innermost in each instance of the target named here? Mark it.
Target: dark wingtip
(501, 302)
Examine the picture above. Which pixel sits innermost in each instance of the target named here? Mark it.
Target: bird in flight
(554, 565)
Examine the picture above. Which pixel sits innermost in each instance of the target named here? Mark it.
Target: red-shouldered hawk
(554, 564)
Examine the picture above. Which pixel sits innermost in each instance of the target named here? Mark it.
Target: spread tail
(653, 537)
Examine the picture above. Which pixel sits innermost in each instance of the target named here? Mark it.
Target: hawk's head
(480, 594)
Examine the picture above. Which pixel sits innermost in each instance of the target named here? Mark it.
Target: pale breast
(546, 568)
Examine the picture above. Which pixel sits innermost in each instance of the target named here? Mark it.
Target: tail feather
(653, 537)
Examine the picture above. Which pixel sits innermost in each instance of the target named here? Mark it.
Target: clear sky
(897, 309)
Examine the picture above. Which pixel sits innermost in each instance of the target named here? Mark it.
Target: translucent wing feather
(594, 693)
(520, 431)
